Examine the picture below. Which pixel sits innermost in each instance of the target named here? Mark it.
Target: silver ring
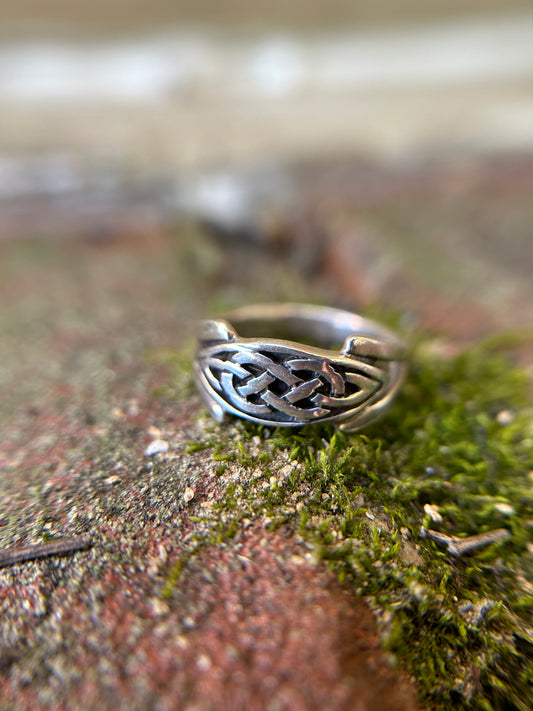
(275, 381)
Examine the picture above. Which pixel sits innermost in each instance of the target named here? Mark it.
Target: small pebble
(359, 501)
(113, 479)
(433, 512)
(133, 408)
(475, 613)
(159, 607)
(188, 494)
(158, 446)
(286, 470)
(505, 509)
(419, 591)
(504, 417)
(203, 662)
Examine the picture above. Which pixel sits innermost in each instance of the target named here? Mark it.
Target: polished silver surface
(248, 365)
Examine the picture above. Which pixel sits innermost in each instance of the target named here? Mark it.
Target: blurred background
(160, 93)
(370, 154)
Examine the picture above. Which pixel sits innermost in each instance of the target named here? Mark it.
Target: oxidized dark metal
(280, 382)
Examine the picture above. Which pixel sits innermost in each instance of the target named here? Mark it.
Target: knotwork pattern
(288, 385)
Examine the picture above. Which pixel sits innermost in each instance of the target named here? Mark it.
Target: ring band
(274, 380)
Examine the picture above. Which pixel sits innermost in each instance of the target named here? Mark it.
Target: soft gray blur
(95, 94)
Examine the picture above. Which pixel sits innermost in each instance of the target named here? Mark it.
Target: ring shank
(327, 327)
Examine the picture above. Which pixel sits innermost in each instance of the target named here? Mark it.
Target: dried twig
(59, 546)
(459, 546)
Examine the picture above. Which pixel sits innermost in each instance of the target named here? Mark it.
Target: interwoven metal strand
(287, 386)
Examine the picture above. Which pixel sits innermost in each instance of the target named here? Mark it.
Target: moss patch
(455, 454)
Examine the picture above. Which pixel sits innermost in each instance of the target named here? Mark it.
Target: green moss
(194, 447)
(459, 438)
(180, 363)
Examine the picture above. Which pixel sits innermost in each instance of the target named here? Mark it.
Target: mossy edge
(460, 439)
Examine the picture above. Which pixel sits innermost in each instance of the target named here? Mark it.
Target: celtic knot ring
(348, 376)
